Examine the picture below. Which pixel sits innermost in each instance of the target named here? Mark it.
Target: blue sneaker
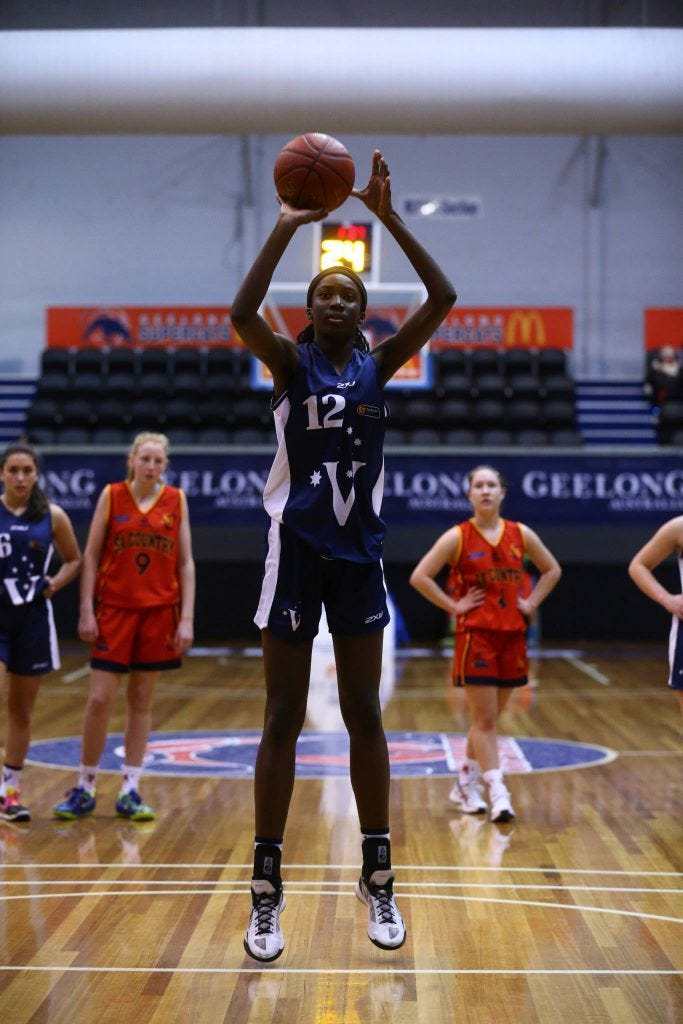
(78, 804)
(130, 805)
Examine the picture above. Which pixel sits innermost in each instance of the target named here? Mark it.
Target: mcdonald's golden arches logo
(525, 328)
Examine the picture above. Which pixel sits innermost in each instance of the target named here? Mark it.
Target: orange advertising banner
(507, 327)
(663, 327)
(138, 326)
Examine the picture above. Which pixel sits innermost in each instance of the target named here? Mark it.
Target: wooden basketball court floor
(574, 912)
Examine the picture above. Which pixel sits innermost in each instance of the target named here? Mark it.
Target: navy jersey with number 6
(25, 552)
(327, 479)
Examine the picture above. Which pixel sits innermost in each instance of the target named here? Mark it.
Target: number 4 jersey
(327, 479)
(496, 568)
(139, 559)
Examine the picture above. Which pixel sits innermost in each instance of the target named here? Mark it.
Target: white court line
(590, 670)
(313, 884)
(641, 916)
(207, 865)
(396, 972)
(76, 673)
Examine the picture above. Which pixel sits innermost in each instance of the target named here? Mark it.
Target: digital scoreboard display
(347, 244)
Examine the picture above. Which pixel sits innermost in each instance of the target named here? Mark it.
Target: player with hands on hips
(666, 541)
(137, 607)
(31, 528)
(325, 544)
(483, 592)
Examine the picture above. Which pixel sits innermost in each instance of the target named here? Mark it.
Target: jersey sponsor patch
(232, 754)
(368, 410)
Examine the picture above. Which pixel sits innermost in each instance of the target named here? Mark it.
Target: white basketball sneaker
(501, 806)
(469, 797)
(385, 924)
(264, 939)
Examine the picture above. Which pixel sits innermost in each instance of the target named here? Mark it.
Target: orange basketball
(314, 172)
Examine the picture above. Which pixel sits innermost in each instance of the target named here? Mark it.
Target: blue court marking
(232, 754)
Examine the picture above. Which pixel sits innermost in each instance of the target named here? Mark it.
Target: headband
(347, 272)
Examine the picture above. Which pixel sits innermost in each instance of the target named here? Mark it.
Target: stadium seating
(522, 395)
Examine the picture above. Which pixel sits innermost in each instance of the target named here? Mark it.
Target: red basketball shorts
(490, 658)
(135, 638)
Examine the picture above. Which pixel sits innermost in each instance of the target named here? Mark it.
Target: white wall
(137, 220)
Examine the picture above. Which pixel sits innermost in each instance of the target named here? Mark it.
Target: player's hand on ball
(377, 193)
(301, 216)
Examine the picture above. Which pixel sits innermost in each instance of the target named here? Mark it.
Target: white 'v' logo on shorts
(294, 618)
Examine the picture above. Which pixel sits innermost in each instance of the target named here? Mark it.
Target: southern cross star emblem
(315, 478)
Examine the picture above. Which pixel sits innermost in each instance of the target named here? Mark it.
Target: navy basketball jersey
(25, 552)
(327, 480)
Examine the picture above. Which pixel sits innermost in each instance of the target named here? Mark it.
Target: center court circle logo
(232, 754)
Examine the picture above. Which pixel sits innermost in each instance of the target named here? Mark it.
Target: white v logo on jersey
(340, 507)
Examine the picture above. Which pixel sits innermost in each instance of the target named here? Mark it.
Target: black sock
(267, 858)
(376, 855)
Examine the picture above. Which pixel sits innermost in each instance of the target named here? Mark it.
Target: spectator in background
(664, 378)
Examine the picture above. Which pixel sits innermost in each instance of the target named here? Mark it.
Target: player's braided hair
(308, 334)
(37, 506)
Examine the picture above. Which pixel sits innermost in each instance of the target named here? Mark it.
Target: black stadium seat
(122, 360)
(459, 436)
(214, 435)
(43, 412)
(556, 413)
(89, 360)
(147, 413)
(568, 436)
(113, 412)
(489, 385)
(551, 361)
(109, 435)
(558, 385)
(523, 413)
(495, 436)
(153, 360)
(58, 359)
(425, 436)
(670, 420)
(53, 384)
(484, 360)
(519, 361)
(454, 412)
(522, 385)
(454, 385)
(421, 412)
(487, 413)
(530, 437)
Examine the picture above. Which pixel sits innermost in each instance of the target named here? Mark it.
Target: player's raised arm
(392, 353)
(278, 353)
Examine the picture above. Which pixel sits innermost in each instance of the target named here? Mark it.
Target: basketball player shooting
(325, 543)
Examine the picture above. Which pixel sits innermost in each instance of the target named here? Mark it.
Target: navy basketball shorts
(28, 638)
(298, 581)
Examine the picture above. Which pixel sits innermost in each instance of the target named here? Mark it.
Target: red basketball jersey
(496, 568)
(139, 562)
